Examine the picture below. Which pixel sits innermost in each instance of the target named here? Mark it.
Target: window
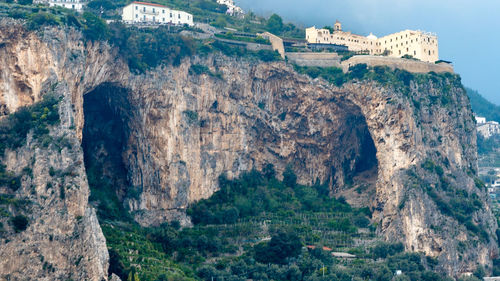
(179, 16)
(153, 10)
(429, 52)
(162, 11)
(136, 7)
(407, 49)
(144, 9)
(400, 52)
(170, 14)
(414, 53)
(163, 19)
(144, 17)
(136, 15)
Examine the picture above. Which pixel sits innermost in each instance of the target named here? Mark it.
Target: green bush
(282, 246)
(383, 250)
(20, 223)
(268, 56)
(36, 118)
(358, 71)
(148, 48)
(41, 19)
(94, 28)
(198, 69)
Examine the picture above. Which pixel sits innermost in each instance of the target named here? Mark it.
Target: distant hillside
(482, 107)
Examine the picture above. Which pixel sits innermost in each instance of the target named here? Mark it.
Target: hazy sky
(468, 31)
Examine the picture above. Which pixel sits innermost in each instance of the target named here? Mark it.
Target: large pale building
(417, 44)
(69, 4)
(141, 12)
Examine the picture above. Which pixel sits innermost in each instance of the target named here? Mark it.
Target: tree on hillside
(289, 177)
(94, 27)
(275, 24)
(282, 246)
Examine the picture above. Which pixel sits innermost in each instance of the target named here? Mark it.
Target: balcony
(156, 13)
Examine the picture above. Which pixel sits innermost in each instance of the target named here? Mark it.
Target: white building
(231, 7)
(487, 128)
(417, 44)
(141, 12)
(69, 4)
(480, 120)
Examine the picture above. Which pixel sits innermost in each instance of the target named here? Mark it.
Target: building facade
(417, 44)
(231, 7)
(69, 4)
(488, 128)
(142, 12)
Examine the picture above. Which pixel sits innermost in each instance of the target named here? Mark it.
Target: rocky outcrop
(63, 239)
(174, 132)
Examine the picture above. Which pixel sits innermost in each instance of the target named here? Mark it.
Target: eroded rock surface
(174, 132)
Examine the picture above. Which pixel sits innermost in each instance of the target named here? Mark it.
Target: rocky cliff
(162, 138)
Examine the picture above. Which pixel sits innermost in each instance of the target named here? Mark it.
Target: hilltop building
(487, 128)
(141, 12)
(69, 4)
(231, 7)
(417, 44)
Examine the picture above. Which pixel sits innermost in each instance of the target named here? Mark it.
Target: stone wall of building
(405, 64)
(315, 59)
(276, 42)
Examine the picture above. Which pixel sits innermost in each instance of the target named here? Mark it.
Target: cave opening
(104, 142)
(360, 168)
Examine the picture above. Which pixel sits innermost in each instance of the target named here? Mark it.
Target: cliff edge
(402, 144)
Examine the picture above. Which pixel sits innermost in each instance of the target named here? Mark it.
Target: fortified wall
(315, 59)
(405, 64)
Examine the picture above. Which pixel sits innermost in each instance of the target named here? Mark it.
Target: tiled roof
(149, 4)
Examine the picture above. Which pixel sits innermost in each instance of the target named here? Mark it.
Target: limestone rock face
(164, 137)
(63, 239)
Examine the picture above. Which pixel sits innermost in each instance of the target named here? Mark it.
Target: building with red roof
(151, 13)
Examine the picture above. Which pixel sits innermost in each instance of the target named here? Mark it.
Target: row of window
(163, 12)
(154, 19)
(428, 40)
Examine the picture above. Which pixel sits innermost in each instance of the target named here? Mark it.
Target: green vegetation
(482, 107)
(256, 227)
(20, 223)
(450, 200)
(231, 36)
(35, 118)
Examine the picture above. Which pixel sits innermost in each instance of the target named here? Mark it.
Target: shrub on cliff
(20, 223)
(35, 118)
(41, 19)
(94, 28)
(358, 71)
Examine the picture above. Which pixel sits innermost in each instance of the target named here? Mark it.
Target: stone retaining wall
(315, 59)
(406, 64)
